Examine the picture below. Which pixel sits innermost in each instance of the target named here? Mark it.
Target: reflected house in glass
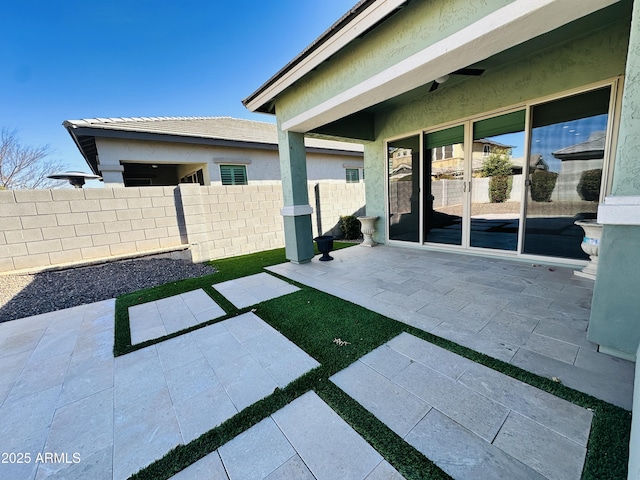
(580, 161)
(429, 87)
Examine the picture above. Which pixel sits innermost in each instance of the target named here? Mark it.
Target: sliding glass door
(514, 182)
(444, 186)
(497, 158)
(565, 175)
(403, 184)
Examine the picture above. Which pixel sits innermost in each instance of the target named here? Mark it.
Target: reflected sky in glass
(546, 140)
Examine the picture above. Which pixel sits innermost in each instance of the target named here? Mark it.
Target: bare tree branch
(26, 167)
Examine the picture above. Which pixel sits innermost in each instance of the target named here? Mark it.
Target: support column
(614, 323)
(111, 174)
(296, 212)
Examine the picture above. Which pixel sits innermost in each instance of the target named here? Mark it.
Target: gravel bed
(26, 295)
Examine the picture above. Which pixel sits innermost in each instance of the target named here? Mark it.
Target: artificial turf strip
(408, 461)
(608, 447)
(245, 265)
(312, 319)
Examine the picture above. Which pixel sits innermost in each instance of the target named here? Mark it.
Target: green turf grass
(312, 320)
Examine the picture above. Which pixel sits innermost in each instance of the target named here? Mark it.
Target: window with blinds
(352, 175)
(233, 174)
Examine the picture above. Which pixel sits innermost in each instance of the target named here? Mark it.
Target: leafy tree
(26, 167)
(498, 166)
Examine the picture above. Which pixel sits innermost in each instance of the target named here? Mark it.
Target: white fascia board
(360, 24)
(508, 26)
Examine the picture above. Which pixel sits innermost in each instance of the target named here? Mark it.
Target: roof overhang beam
(507, 27)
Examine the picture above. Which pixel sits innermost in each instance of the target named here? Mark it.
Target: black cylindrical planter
(325, 245)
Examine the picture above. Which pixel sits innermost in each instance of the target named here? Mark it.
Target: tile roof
(220, 128)
(593, 147)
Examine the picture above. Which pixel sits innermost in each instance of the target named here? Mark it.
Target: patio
(62, 391)
(531, 316)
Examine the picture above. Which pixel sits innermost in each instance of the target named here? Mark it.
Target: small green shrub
(350, 227)
(500, 188)
(589, 185)
(542, 185)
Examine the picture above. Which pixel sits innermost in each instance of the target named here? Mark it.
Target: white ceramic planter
(368, 228)
(590, 245)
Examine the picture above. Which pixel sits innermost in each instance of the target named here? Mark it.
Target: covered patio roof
(512, 31)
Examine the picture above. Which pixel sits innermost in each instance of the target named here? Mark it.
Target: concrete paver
(190, 398)
(169, 315)
(209, 467)
(334, 451)
(246, 291)
(304, 440)
(397, 408)
(439, 438)
(548, 453)
(271, 447)
(492, 425)
(73, 397)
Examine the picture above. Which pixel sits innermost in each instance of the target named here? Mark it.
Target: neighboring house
(578, 160)
(134, 152)
(418, 77)
(536, 162)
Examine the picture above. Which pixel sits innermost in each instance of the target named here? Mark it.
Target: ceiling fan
(475, 72)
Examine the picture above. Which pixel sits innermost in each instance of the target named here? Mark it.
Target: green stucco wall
(615, 312)
(415, 27)
(586, 60)
(375, 178)
(626, 179)
(565, 62)
(555, 67)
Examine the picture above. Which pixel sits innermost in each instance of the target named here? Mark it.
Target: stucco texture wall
(263, 165)
(614, 321)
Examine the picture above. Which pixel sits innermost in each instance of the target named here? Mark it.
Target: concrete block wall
(43, 228)
(48, 228)
(223, 221)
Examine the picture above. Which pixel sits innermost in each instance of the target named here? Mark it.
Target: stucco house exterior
(164, 151)
(540, 76)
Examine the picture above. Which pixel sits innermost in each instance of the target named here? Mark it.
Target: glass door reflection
(403, 157)
(568, 148)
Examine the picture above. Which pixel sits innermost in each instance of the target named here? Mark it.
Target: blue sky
(77, 59)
